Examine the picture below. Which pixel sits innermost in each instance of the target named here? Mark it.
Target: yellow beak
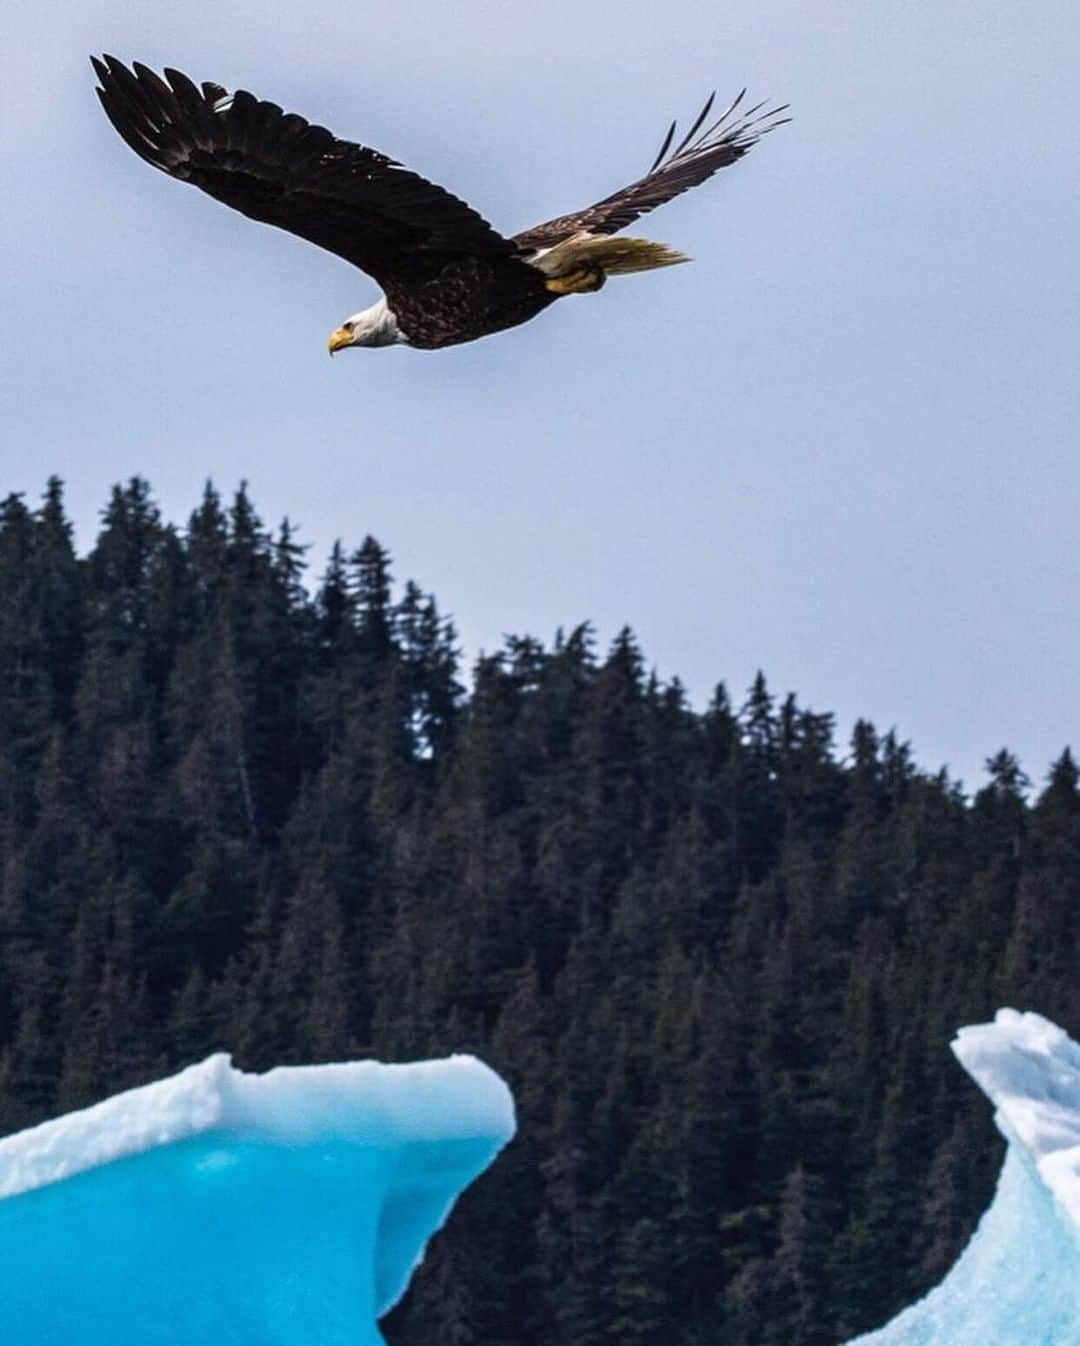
(339, 337)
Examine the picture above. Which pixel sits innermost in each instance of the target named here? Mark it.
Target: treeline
(718, 959)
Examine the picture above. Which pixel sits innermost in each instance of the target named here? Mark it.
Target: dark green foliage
(718, 963)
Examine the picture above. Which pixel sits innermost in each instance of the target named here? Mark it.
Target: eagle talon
(583, 281)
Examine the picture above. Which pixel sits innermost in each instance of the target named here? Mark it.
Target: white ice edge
(1030, 1070)
(458, 1098)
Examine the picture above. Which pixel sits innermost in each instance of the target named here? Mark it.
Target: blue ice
(1018, 1281)
(222, 1209)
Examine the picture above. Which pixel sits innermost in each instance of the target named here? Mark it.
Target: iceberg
(218, 1208)
(1018, 1281)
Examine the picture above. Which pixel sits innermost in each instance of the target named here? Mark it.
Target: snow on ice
(284, 1209)
(1018, 1281)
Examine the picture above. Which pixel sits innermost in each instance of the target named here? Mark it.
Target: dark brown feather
(280, 169)
(665, 145)
(693, 130)
(697, 157)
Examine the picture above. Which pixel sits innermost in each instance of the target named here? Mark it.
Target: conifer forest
(717, 954)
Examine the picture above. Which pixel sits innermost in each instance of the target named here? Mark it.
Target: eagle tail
(613, 256)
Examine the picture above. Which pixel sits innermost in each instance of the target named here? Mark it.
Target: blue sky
(842, 446)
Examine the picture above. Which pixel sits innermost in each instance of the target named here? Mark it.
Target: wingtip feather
(663, 149)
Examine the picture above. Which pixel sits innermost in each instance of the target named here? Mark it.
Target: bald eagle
(447, 276)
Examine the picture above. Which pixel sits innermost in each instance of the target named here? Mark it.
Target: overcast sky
(842, 446)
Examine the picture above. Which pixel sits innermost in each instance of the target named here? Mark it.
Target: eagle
(447, 276)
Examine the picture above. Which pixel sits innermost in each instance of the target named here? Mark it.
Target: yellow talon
(582, 281)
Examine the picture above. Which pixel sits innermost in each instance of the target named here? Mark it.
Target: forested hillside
(718, 957)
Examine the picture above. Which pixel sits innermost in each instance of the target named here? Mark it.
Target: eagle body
(446, 274)
(466, 298)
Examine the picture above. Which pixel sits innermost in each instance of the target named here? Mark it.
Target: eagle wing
(696, 157)
(278, 168)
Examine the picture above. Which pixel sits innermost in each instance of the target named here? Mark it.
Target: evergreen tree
(719, 964)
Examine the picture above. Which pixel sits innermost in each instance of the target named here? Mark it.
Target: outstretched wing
(278, 168)
(697, 157)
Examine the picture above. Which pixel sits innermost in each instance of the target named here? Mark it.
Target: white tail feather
(615, 256)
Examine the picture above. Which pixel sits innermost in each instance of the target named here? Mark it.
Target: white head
(374, 326)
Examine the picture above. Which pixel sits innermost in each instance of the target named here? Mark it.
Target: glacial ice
(217, 1208)
(1018, 1281)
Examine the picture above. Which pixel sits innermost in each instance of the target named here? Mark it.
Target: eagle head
(374, 326)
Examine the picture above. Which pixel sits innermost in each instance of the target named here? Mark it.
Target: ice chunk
(1018, 1281)
(217, 1208)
